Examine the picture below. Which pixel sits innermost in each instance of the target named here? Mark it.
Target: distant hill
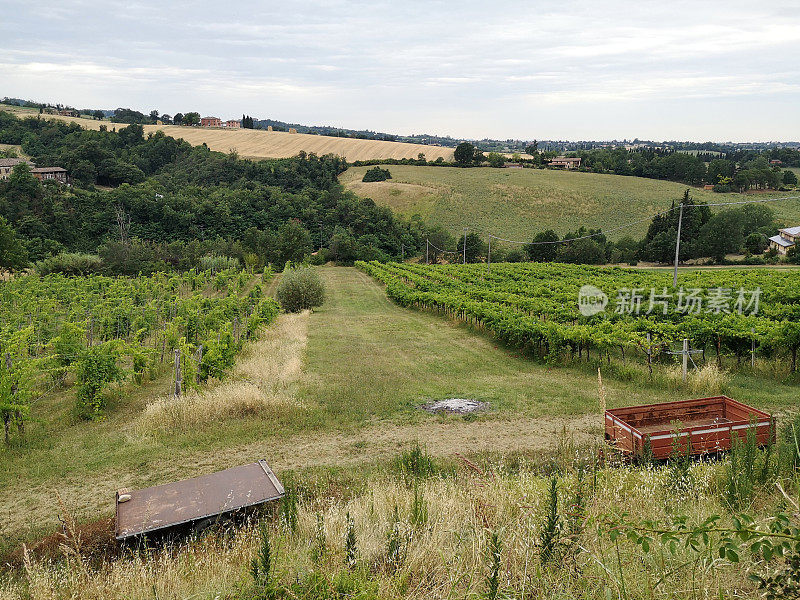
(257, 143)
(517, 203)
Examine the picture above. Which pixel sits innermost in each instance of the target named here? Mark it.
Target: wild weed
(415, 464)
(350, 544)
(288, 512)
(493, 557)
(396, 543)
(790, 447)
(261, 564)
(419, 507)
(551, 529)
(319, 546)
(743, 474)
(679, 475)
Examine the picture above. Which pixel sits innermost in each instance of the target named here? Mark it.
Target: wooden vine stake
(601, 391)
(177, 373)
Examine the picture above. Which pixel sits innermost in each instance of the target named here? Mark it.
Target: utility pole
(752, 347)
(465, 245)
(402, 253)
(489, 256)
(677, 250)
(427, 245)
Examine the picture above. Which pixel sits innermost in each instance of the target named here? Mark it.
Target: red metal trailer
(709, 423)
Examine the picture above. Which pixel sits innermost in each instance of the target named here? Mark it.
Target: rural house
(785, 240)
(565, 162)
(233, 124)
(7, 165)
(41, 173)
(211, 122)
(50, 174)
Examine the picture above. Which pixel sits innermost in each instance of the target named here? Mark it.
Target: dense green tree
(718, 169)
(293, 243)
(99, 115)
(624, 250)
(544, 247)
(376, 174)
(475, 248)
(789, 178)
(441, 245)
(496, 159)
(756, 243)
(464, 153)
(582, 251)
(659, 243)
(13, 255)
(178, 119)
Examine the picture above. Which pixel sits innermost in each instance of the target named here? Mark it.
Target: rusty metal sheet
(163, 506)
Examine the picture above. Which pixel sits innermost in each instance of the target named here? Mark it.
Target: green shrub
(96, 368)
(68, 263)
(300, 289)
(376, 174)
(414, 464)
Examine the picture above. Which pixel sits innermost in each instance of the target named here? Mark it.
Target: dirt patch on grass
(442, 438)
(459, 406)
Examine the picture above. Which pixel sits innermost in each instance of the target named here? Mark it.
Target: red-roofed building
(211, 122)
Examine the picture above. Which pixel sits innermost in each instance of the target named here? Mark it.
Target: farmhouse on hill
(565, 162)
(785, 240)
(7, 165)
(217, 122)
(58, 174)
(41, 173)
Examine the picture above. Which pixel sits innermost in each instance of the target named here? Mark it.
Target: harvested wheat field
(257, 143)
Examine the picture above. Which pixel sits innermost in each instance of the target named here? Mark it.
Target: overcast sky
(530, 70)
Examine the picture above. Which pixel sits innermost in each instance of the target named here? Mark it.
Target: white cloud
(509, 69)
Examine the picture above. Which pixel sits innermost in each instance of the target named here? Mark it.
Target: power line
(590, 235)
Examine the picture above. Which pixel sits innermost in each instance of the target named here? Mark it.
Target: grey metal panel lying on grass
(169, 505)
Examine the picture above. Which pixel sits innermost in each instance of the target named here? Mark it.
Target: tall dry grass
(708, 379)
(443, 557)
(264, 380)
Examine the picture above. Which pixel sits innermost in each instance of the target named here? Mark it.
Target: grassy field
(251, 143)
(517, 203)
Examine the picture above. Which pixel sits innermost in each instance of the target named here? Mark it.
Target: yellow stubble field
(256, 143)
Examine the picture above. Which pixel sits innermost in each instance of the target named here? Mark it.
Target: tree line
(740, 230)
(144, 203)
